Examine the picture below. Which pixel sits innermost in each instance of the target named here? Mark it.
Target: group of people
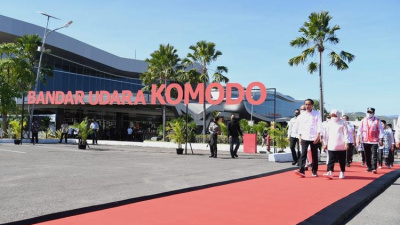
(374, 138)
(68, 132)
(234, 131)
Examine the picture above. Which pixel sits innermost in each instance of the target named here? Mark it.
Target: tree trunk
(321, 93)
(4, 123)
(204, 104)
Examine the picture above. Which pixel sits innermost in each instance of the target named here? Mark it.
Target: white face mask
(335, 119)
(370, 115)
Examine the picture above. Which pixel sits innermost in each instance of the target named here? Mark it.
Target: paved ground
(47, 178)
(382, 210)
(42, 179)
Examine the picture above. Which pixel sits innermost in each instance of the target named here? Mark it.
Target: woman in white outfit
(335, 141)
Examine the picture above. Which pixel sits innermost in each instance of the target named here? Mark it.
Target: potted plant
(83, 132)
(16, 131)
(279, 135)
(177, 133)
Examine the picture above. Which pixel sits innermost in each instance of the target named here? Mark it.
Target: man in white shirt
(293, 136)
(95, 128)
(351, 141)
(335, 141)
(370, 134)
(309, 128)
(397, 133)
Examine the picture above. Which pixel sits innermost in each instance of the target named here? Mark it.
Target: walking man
(233, 135)
(336, 142)
(387, 149)
(214, 130)
(35, 132)
(352, 139)
(397, 133)
(370, 133)
(64, 132)
(309, 135)
(95, 127)
(293, 137)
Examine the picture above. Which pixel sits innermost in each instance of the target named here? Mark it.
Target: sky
(254, 37)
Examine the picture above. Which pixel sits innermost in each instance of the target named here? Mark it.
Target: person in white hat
(336, 142)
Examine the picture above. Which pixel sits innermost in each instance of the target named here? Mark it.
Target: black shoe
(233, 157)
(236, 156)
(215, 156)
(211, 156)
(348, 164)
(369, 170)
(294, 163)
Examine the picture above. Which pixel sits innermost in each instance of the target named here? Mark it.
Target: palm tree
(204, 53)
(14, 74)
(163, 65)
(315, 33)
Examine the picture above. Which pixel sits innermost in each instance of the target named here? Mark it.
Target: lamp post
(46, 32)
(274, 113)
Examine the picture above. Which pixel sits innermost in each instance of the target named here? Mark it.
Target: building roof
(72, 49)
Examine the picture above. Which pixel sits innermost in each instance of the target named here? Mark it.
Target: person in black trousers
(214, 130)
(35, 132)
(293, 137)
(233, 135)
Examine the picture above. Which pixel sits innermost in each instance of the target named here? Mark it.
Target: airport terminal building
(80, 66)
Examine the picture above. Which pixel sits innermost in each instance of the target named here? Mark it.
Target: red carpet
(278, 199)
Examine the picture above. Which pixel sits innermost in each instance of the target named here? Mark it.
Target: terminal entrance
(114, 121)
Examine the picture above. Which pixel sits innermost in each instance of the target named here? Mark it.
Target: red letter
(79, 97)
(69, 98)
(220, 90)
(156, 94)
(240, 91)
(40, 98)
(263, 93)
(101, 97)
(199, 92)
(168, 94)
(139, 98)
(126, 97)
(50, 96)
(115, 98)
(31, 97)
(58, 100)
(91, 98)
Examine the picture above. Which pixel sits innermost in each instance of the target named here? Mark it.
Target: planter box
(250, 143)
(280, 157)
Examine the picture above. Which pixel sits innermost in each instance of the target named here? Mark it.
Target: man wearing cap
(335, 141)
(309, 128)
(370, 133)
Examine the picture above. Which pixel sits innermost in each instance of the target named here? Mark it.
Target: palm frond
(337, 61)
(347, 56)
(312, 67)
(299, 42)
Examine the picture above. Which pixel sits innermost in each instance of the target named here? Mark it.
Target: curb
(338, 212)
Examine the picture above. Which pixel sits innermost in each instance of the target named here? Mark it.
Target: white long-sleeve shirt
(336, 135)
(293, 128)
(309, 125)
(351, 130)
(397, 134)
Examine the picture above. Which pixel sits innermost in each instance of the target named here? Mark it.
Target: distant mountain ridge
(355, 115)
